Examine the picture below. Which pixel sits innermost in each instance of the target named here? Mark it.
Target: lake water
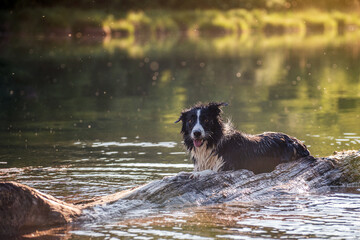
(84, 118)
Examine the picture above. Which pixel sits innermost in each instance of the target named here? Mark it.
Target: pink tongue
(197, 143)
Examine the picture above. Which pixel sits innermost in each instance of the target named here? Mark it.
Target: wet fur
(225, 148)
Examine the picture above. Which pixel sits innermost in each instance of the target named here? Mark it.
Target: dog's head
(202, 124)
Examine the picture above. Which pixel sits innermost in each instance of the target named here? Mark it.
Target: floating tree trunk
(24, 209)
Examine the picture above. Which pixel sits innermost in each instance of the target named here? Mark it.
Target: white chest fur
(206, 158)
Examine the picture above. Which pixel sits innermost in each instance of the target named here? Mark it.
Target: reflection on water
(334, 216)
(79, 120)
(103, 168)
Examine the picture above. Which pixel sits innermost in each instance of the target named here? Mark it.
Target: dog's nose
(197, 134)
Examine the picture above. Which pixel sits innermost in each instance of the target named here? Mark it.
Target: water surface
(81, 119)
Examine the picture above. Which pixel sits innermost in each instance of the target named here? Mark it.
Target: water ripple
(132, 144)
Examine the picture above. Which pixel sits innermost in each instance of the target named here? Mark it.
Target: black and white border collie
(214, 145)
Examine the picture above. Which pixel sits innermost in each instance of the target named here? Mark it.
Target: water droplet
(154, 66)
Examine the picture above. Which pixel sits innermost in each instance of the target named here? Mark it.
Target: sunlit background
(90, 90)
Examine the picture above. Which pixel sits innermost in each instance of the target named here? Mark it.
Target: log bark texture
(24, 209)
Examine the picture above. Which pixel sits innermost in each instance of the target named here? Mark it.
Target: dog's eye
(206, 121)
(190, 121)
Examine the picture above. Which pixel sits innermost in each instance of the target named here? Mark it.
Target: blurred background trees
(125, 5)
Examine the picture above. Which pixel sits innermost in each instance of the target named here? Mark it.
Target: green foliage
(191, 22)
(125, 5)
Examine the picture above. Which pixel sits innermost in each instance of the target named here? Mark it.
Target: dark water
(84, 118)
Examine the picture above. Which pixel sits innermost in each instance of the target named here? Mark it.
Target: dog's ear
(180, 118)
(216, 107)
(222, 104)
(218, 104)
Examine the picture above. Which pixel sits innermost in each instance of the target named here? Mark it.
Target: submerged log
(24, 209)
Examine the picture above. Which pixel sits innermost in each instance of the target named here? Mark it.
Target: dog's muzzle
(197, 140)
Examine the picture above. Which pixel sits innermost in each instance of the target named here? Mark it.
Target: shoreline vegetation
(76, 23)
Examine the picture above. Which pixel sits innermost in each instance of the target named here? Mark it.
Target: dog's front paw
(196, 175)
